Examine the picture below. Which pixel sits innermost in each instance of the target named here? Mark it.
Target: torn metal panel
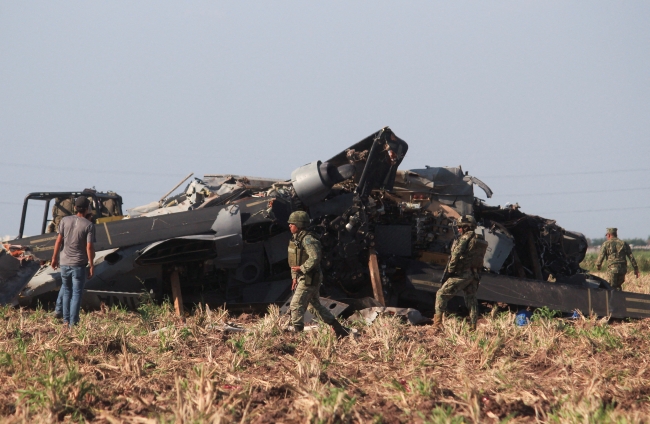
(110, 274)
(334, 306)
(178, 250)
(482, 185)
(9, 265)
(500, 245)
(119, 271)
(413, 316)
(229, 242)
(276, 247)
(14, 277)
(446, 181)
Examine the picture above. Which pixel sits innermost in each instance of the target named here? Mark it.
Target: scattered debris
(413, 316)
(523, 318)
(228, 327)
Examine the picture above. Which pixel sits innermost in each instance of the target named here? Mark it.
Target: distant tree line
(633, 241)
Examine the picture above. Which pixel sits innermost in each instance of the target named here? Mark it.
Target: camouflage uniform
(465, 277)
(305, 250)
(615, 252)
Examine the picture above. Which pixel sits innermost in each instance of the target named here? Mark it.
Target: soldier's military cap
(612, 230)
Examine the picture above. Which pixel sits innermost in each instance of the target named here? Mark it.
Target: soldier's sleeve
(628, 252)
(458, 249)
(602, 255)
(313, 249)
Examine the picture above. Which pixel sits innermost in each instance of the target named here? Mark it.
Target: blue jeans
(58, 309)
(73, 279)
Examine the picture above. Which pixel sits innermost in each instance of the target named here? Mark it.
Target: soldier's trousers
(616, 279)
(308, 296)
(468, 285)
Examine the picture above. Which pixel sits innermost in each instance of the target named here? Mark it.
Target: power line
(595, 210)
(562, 174)
(51, 187)
(575, 192)
(90, 170)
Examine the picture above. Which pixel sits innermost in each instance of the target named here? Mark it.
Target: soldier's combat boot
(437, 322)
(472, 325)
(340, 331)
(294, 328)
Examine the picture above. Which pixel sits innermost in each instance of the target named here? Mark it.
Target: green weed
(545, 313)
(62, 389)
(442, 415)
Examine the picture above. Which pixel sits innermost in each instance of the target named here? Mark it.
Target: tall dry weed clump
(149, 366)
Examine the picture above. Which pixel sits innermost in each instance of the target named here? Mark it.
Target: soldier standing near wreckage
(616, 251)
(305, 254)
(462, 271)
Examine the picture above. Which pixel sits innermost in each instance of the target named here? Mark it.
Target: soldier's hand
(636, 272)
(294, 283)
(598, 267)
(295, 268)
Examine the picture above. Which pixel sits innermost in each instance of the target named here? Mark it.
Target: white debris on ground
(413, 316)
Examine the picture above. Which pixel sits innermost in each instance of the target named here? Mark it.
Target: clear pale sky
(547, 102)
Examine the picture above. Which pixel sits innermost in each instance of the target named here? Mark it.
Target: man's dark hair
(81, 204)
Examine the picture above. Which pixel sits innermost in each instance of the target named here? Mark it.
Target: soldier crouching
(304, 259)
(464, 270)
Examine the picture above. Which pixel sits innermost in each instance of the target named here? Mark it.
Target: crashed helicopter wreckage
(386, 233)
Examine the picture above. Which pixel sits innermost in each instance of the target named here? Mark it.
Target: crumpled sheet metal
(15, 273)
(413, 316)
(229, 327)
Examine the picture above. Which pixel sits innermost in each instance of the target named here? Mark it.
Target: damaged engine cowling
(312, 182)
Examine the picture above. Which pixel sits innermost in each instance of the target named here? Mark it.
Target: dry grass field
(147, 366)
(642, 258)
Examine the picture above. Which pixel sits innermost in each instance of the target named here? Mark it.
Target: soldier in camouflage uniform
(304, 259)
(464, 269)
(615, 251)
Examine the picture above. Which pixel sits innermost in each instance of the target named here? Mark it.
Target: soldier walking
(463, 270)
(305, 254)
(615, 251)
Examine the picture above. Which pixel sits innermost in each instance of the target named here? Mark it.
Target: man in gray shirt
(76, 235)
